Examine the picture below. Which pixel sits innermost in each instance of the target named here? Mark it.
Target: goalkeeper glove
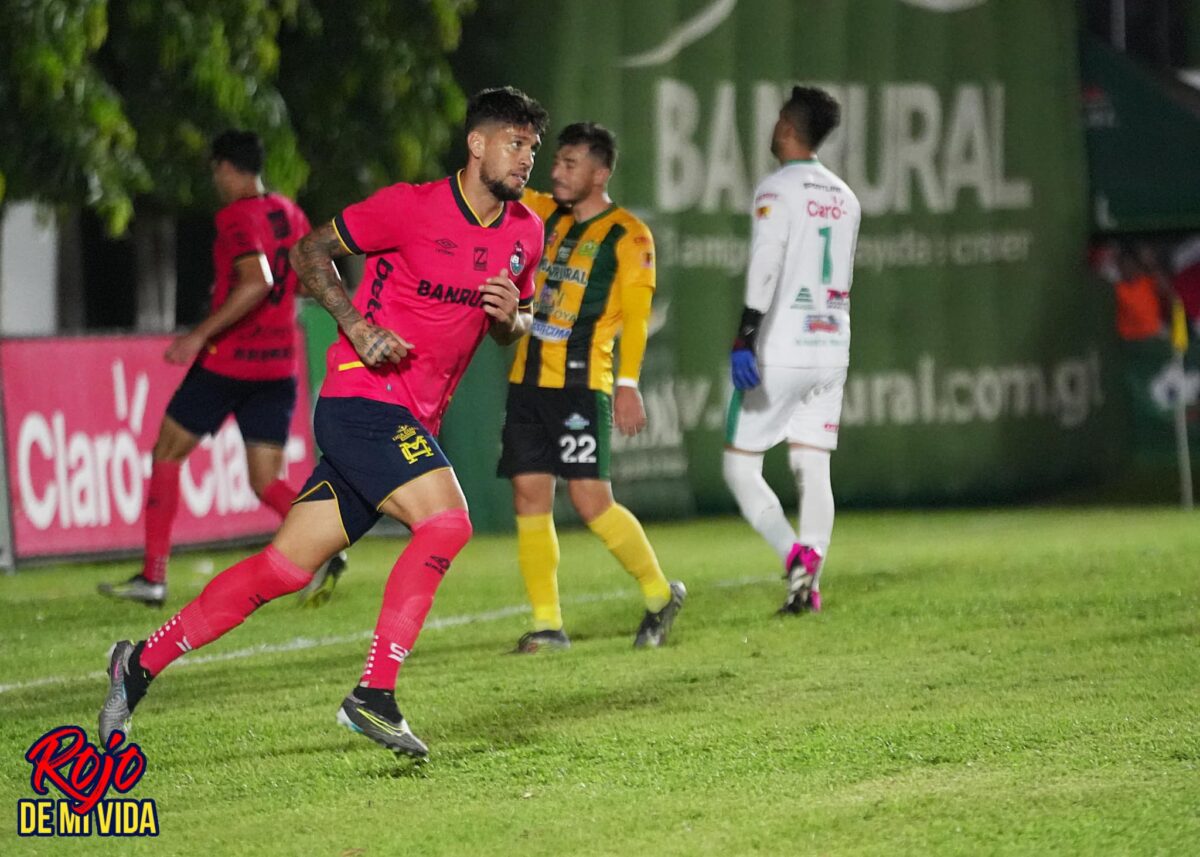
(742, 363)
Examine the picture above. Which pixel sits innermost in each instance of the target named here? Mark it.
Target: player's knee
(258, 485)
(168, 449)
(809, 463)
(740, 471)
(591, 499)
(451, 529)
(174, 442)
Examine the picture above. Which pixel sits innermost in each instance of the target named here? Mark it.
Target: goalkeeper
(793, 344)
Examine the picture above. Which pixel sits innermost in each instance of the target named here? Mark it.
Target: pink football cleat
(803, 563)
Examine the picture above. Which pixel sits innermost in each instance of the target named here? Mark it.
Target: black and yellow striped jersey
(595, 282)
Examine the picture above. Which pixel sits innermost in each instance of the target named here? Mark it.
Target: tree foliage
(376, 100)
(112, 104)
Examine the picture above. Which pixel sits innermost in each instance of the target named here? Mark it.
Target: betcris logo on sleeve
(63, 761)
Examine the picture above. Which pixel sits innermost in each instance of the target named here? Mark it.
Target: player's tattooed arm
(312, 260)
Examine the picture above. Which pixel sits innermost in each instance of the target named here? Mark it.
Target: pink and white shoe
(803, 563)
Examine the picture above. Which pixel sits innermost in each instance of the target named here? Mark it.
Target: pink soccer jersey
(427, 255)
(262, 344)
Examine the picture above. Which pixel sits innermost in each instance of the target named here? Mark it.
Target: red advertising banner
(80, 420)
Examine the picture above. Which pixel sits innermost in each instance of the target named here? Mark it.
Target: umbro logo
(445, 246)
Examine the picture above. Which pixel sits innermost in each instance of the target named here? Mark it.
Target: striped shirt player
(595, 282)
(792, 348)
(446, 263)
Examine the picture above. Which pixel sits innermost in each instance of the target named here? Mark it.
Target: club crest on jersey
(588, 249)
(516, 260)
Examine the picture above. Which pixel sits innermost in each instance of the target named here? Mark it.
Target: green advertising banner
(978, 353)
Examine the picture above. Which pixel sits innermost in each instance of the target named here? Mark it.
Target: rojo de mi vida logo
(64, 762)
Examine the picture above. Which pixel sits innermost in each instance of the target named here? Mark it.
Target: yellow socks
(537, 554)
(624, 537)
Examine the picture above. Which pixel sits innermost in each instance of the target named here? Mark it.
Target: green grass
(984, 682)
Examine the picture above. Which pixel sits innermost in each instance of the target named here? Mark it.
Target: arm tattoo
(312, 260)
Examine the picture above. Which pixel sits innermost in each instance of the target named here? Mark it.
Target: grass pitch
(983, 682)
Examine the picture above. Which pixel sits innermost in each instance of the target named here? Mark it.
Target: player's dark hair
(601, 143)
(505, 105)
(813, 113)
(243, 149)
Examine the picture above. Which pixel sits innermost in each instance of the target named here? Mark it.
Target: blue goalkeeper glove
(744, 369)
(742, 363)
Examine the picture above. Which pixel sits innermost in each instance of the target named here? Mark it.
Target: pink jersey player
(243, 355)
(447, 263)
(427, 253)
(261, 345)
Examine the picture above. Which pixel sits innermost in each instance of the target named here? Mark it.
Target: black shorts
(263, 408)
(566, 432)
(368, 450)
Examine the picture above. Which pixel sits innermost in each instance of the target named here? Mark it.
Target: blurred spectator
(1185, 262)
(1143, 304)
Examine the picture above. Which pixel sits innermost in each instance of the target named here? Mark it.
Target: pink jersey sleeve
(533, 254)
(236, 235)
(378, 222)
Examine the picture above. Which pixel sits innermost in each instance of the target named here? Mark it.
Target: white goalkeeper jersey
(805, 227)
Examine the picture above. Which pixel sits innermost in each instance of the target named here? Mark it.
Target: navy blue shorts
(368, 450)
(263, 409)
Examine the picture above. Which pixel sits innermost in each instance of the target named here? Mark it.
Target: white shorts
(799, 405)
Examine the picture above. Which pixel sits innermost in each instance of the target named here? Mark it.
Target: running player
(243, 356)
(595, 282)
(447, 262)
(793, 344)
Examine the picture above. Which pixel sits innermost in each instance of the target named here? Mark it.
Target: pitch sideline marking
(297, 644)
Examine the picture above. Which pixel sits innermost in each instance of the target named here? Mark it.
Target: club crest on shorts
(413, 444)
(577, 422)
(516, 260)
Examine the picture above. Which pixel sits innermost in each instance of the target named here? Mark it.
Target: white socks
(811, 469)
(757, 502)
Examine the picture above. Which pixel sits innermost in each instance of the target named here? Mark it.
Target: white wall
(28, 271)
